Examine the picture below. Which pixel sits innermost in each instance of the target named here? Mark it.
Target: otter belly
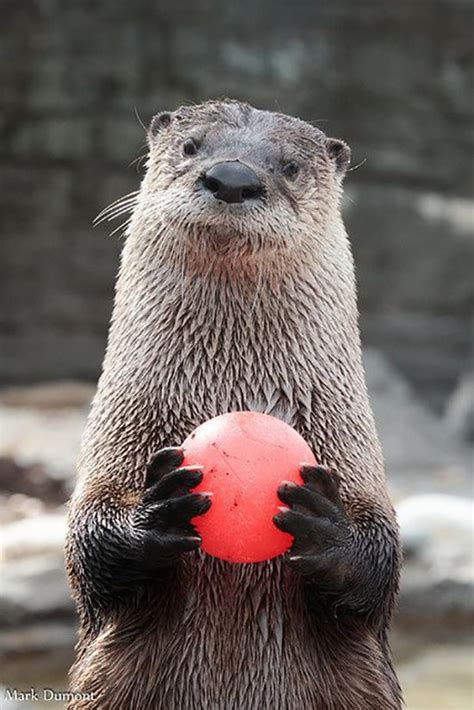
(231, 646)
(229, 637)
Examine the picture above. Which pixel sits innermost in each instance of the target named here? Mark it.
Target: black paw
(163, 516)
(317, 520)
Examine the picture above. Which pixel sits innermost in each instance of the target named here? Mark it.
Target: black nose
(232, 181)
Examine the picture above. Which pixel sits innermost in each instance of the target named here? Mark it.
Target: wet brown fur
(216, 311)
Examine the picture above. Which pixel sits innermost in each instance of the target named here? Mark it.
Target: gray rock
(33, 589)
(438, 530)
(43, 425)
(437, 533)
(34, 585)
(421, 454)
(34, 536)
(17, 506)
(30, 482)
(37, 616)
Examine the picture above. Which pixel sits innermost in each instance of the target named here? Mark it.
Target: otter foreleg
(114, 548)
(353, 564)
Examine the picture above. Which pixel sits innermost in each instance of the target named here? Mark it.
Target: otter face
(231, 177)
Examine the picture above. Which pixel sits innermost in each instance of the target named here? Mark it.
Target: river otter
(235, 292)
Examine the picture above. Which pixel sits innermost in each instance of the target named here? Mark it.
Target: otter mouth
(226, 200)
(222, 225)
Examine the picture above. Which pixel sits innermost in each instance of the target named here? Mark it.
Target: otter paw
(163, 516)
(318, 521)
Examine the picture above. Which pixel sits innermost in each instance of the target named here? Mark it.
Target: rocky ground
(429, 462)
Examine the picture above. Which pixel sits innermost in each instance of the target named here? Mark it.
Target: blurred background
(395, 81)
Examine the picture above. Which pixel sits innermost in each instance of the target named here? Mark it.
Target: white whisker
(123, 203)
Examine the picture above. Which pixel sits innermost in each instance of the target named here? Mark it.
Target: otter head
(228, 178)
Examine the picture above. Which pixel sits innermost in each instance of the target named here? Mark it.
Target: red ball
(246, 456)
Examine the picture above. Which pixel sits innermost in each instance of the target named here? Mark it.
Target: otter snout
(232, 181)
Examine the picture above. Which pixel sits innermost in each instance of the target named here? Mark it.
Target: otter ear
(158, 122)
(340, 153)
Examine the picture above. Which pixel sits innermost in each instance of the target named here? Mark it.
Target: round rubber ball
(245, 457)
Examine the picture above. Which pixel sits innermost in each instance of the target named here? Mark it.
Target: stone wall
(391, 78)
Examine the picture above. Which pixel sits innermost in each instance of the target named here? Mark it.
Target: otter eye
(291, 169)
(190, 147)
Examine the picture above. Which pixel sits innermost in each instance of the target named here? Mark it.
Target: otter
(235, 292)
